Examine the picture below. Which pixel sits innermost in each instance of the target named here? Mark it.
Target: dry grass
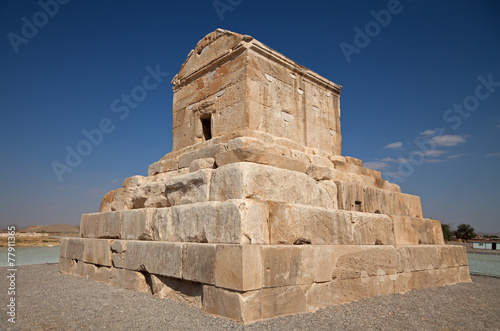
(36, 241)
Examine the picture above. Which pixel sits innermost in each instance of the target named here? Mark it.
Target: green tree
(447, 233)
(465, 231)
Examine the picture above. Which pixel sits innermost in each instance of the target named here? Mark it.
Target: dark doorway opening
(206, 123)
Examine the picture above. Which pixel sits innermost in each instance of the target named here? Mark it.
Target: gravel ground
(48, 300)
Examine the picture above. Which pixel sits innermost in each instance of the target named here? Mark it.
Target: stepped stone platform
(255, 213)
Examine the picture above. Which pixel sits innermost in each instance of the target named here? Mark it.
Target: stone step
(251, 221)
(241, 282)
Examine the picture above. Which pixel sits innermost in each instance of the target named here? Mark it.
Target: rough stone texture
(256, 181)
(255, 213)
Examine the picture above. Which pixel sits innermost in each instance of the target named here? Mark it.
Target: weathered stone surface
(162, 225)
(261, 157)
(350, 196)
(198, 164)
(116, 200)
(199, 263)
(372, 229)
(368, 261)
(74, 248)
(183, 291)
(190, 188)
(240, 307)
(256, 181)
(238, 267)
(208, 152)
(289, 222)
(404, 232)
(282, 301)
(137, 224)
(161, 258)
(108, 225)
(88, 225)
(65, 265)
(97, 251)
(130, 280)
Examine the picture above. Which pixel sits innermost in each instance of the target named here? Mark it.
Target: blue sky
(420, 101)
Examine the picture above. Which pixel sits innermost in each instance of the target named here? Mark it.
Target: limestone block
(404, 232)
(137, 224)
(324, 173)
(118, 246)
(161, 258)
(117, 260)
(238, 267)
(179, 290)
(78, 268)
(103, 274)
(369, 261)
(129, 280)
(89, 270)
(116, 200)
(281, 265)
(324, 262)
(168, 175)
(190, 188)
(428, 231)
(241, 307)
(151, 195)
(417, 258)
(352, 160)
(63, 247)
(162, 227)
(118, 249)
(254, 221)
(199, 263)
(97, 251)
(261, 157)
(88, 225)
(372, 229)
(256, 181)
(452, 256)
(230, 116)
(282, 301)
(464, 275)
(414, 206)
(207, 50)
(331, 189)
(290, 222)
(320, 295)
(207, 152)
(64, 265)
(350, 196)
(321, 161)
(197, 222)
(135, 181)
(198, 164)
(108, 225)
(74, 249)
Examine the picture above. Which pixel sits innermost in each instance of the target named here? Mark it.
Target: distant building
(485, 245)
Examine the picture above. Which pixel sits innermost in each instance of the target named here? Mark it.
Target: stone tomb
(255, 213)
